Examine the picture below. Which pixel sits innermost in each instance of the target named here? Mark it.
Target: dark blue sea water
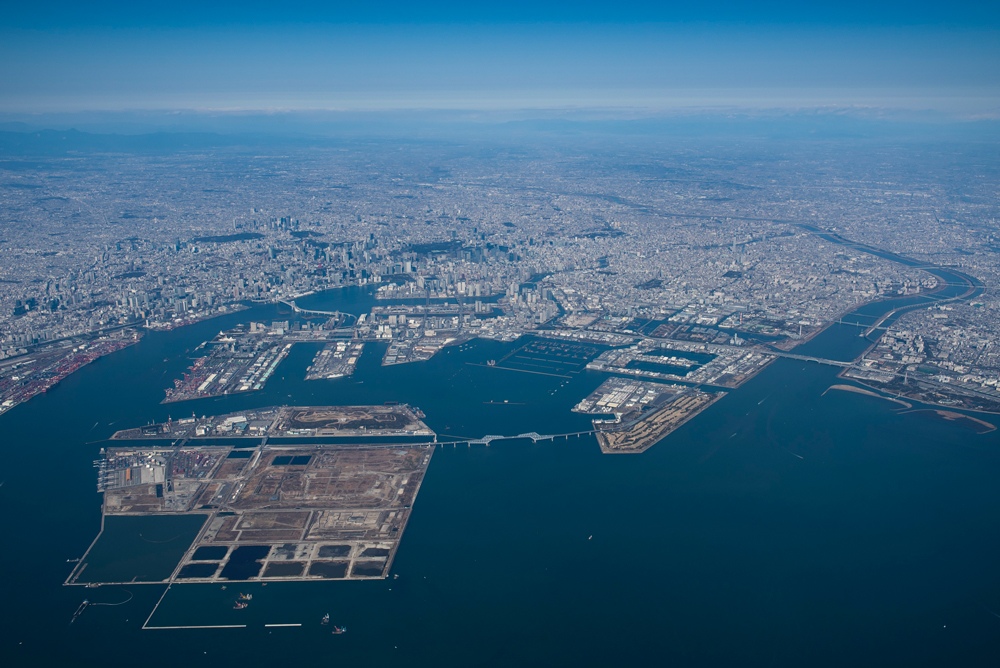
(782, 527)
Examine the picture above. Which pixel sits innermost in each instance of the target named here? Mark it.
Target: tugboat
(240, 606)
(325, 620)
(337, 630)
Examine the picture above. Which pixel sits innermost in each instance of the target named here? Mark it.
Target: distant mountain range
(330, 129)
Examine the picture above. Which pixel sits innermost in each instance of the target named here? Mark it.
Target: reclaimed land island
(258, 512)
(392, 420)
(644, 412)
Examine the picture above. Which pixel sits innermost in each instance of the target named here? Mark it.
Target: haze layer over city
(663, 334)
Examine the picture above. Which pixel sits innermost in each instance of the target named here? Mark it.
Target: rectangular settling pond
(138, 549)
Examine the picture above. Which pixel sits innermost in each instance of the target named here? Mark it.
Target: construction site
(302, 512)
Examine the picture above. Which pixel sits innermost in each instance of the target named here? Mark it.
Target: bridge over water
(333, 314)
(534, 436)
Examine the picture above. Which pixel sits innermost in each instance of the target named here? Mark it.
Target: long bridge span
(807, 358)
(332, 314)
(534, 436)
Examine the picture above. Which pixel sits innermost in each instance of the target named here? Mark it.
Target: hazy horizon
(620, 62)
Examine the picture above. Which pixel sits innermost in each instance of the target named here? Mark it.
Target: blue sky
(633, 57)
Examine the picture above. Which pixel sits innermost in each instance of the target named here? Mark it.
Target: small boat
(325, 620)
(240, 606)
(337, 630)
(79, 611)
(246, 597)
